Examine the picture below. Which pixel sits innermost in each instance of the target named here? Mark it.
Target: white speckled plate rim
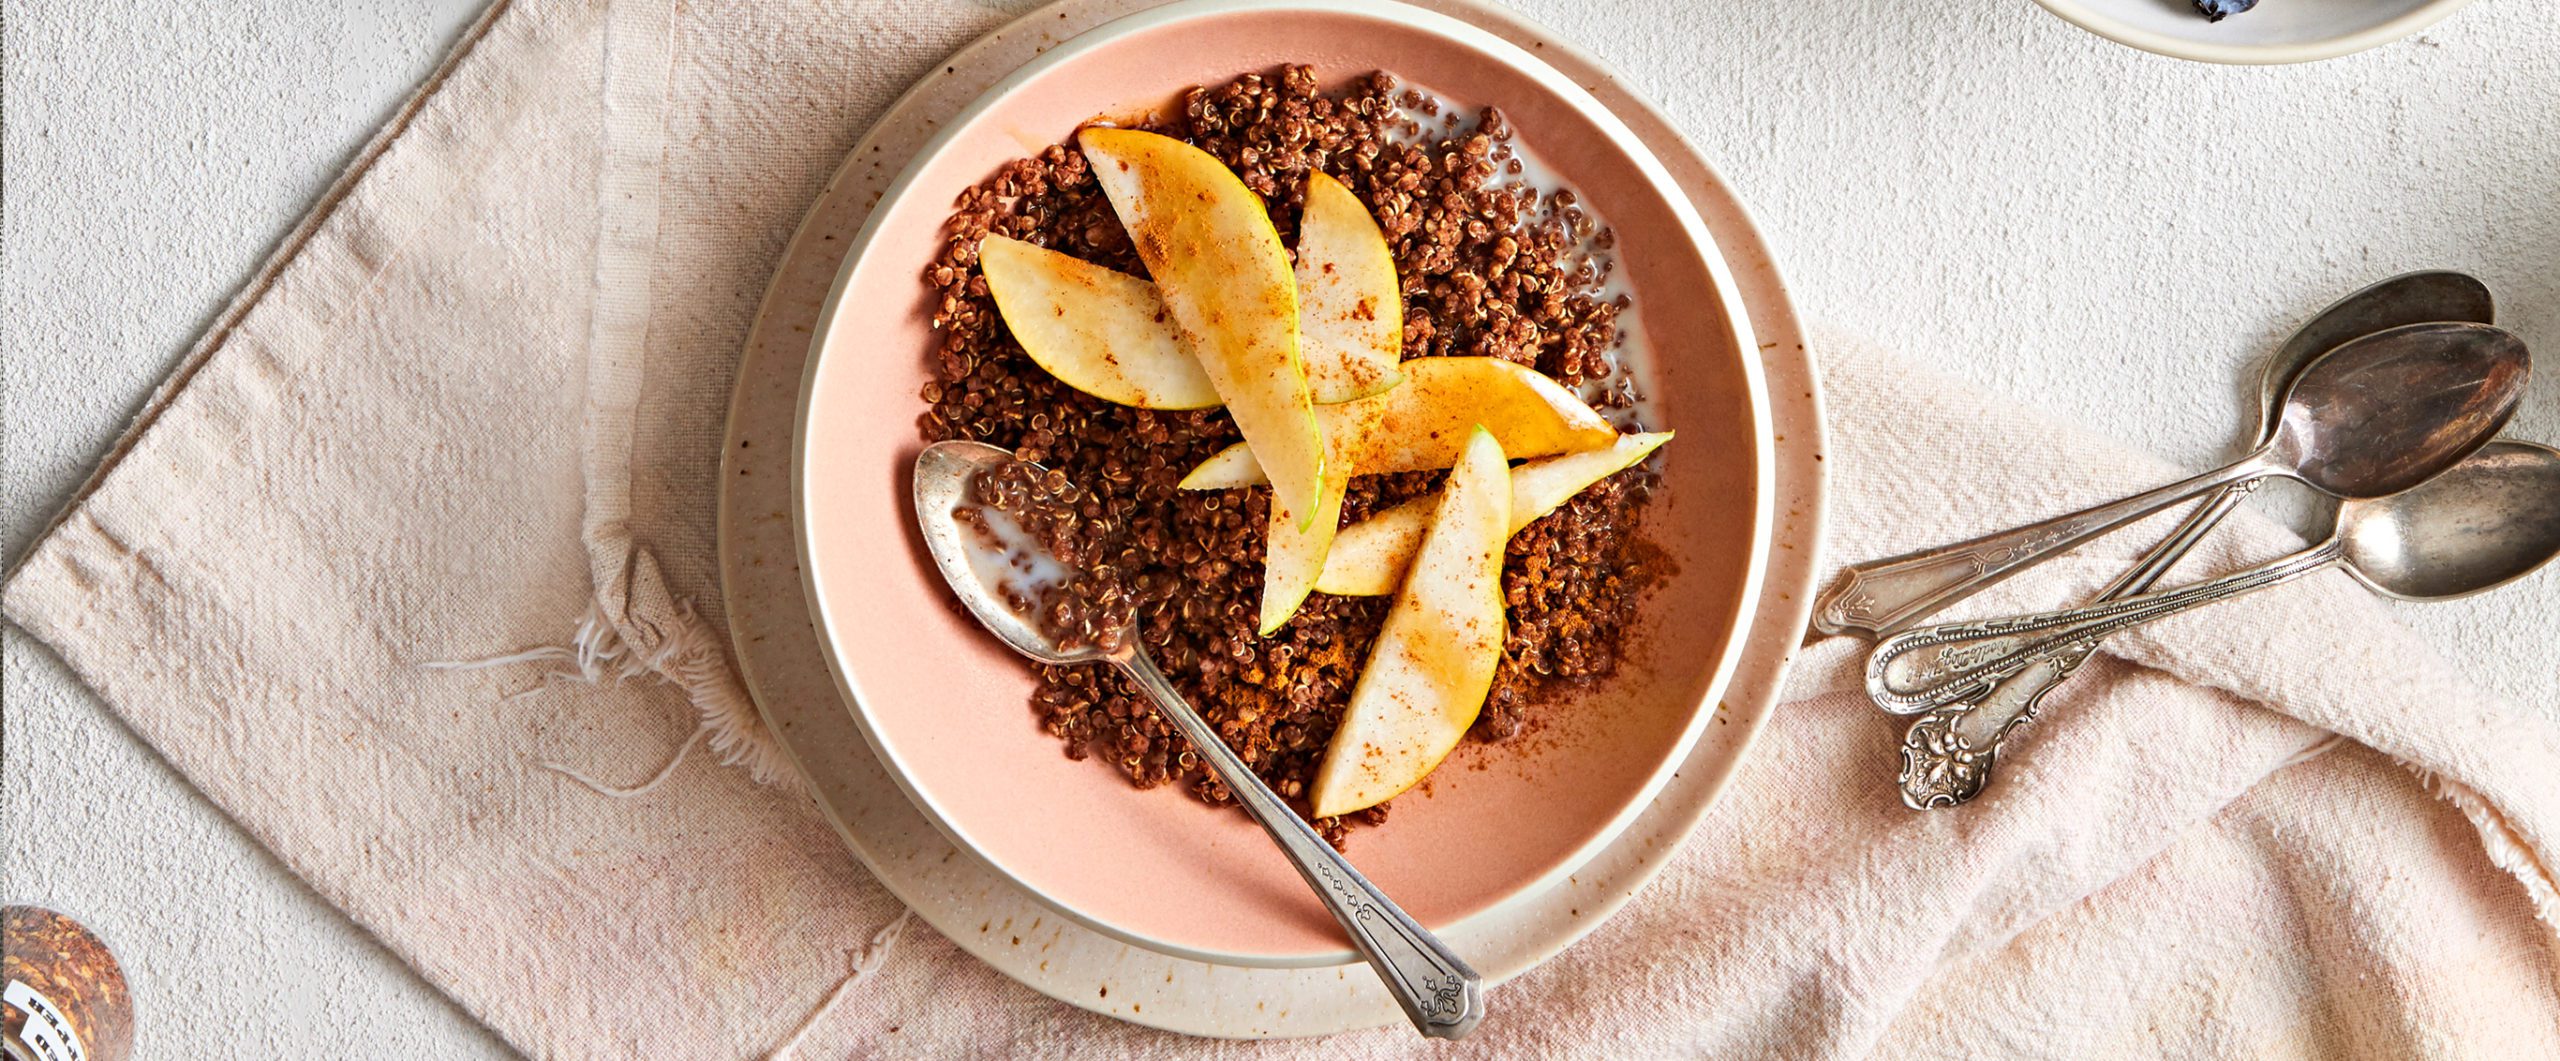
(781, 659)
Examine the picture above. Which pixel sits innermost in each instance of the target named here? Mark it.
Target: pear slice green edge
(1434, 661)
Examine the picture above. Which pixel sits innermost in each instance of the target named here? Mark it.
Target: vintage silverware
(1948, 753)
(2488, 521)
(1439, 992)
(2371, 418)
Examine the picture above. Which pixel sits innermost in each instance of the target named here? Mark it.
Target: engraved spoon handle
(1948, 754)
(1884, 596)
(1933, 666)
(1440, 993)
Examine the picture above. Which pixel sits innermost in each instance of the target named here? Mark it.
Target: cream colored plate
(967, 901)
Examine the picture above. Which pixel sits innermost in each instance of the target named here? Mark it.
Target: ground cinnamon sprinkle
(1489, 267)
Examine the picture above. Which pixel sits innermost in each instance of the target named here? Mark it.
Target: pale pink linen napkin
(474, 405)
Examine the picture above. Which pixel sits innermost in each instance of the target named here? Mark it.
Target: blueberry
(2217, 10)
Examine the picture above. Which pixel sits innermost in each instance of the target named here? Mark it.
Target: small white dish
(2276, 31)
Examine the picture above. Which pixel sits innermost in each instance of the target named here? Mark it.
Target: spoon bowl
(2384, 413)
(943, 474)
(2493, 519)
(2409, 298)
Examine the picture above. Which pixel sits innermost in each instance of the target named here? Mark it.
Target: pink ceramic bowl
(946, 707)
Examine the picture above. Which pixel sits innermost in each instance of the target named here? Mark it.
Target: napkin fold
(472, 412)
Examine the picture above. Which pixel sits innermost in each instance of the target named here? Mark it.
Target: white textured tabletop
(2071, 224)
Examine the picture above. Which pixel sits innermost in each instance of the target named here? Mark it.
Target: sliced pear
(1108, 334)
(1101, 331)
(1351, 332)
(1227, 283)
(1294, 552)
(1433, 663)
(1423, 423)
(1368, 558)
(1350, 309)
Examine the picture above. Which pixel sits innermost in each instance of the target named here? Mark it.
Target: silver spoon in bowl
(2488, 521)
(1947, 755)
(1441, 995)
(2368, 419)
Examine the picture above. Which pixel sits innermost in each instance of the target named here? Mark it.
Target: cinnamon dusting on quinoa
(1489, 266)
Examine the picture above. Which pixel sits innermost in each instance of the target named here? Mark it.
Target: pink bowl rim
(1495, 48)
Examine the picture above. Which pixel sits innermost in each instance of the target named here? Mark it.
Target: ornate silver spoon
(2369, 419)
(1441, 995)
(1947, 754)
(2490, 520)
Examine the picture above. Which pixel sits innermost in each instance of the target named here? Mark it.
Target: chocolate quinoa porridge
(1489, 267)
(1085, 605)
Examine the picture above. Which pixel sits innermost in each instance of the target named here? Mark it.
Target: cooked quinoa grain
(1489, 267)
(1090, 606)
